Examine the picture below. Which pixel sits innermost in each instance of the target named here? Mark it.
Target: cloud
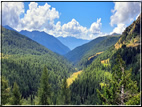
(123, 14)
(95, 27)
(39, 17)
(11, 12)
(119, 29)
(42, 18)
(74, 29)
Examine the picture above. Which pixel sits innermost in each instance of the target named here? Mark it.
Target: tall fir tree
(121, 89)
(44, 89)
(65, 92)
(16, 95)
(5, 91)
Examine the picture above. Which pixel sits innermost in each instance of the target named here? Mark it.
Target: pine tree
(121, 88)
(44, 90)
(16, 95)
(65, 92)
(5, 91)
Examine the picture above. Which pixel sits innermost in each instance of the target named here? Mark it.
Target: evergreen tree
(65, 92)
(5, 91)
(44, 90)
(121, 88)
(16, 95)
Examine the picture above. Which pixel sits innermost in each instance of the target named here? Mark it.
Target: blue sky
(84, 12)
(86, 20)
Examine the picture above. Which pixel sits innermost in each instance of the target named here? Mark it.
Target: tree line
(116, 88)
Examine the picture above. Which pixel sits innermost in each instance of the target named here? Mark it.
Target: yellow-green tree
(16, 95)
(5, 91)
(65, 92)
(44, 89)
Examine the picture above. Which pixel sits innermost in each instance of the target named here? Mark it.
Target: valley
(38, 68)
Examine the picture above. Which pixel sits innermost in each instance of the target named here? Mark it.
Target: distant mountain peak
(8, 27)
(115, 34)
(46, 40)
(72, 42)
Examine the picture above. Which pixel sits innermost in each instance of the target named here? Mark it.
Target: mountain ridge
(76, 54)
(44, 39)
(23, 61)
(72, 42)
(47, 40)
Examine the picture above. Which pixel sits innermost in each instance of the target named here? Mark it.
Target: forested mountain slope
(103, 74)
(76, 54)
(47, 40)
(23, 61)
(95, 51)
(131, 35)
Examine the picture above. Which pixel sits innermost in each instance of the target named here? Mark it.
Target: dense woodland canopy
(23, 61)
(34, 75)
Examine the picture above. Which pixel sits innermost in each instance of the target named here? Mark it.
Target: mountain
(82, 53)
(72, 42)
(76, 54)
(47, 40)
(44, 39)
(131, 35)
(9, 28)
(98, 74)
(98, 49)
(23, 61)
(115, 34)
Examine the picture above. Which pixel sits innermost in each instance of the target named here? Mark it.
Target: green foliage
(25, 62)
(84, 88)
(135, 100)
(29, 101)
(16, 95)
(44, 89)
(76, 54)
(65, 92)
(120, 88)
(5, 91)
(131, 56)
(101, 46)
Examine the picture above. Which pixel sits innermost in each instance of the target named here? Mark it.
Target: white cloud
(42, 18)
(123, 14)
(39, 17)
(119, 29)
(74, 29)
(11, 13)
(96, 26)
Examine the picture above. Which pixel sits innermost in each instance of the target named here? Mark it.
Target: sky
(85, 20)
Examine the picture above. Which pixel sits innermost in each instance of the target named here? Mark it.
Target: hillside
(98, 48)
(131, 35)
(98, 74)
(47, 40)
(23, 61)
(76, 54)
(72, 42)
(82, 53)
